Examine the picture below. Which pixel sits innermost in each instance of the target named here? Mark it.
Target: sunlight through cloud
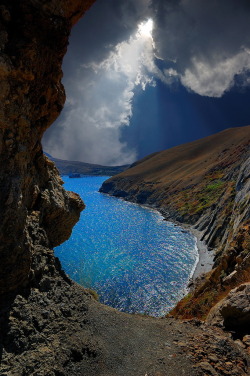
(103, 100)
(145, 28)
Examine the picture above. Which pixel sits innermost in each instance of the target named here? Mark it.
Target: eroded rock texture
(50, 326)
(233, 312)
(33, 40)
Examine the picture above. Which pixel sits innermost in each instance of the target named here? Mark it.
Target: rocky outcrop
(233, 312)
(48, 324)
(33, 40)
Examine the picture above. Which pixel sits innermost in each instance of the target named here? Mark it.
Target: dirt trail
(135, 345)
(57, 329)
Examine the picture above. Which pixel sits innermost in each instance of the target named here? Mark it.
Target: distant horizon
(99, 164)
(144, 76)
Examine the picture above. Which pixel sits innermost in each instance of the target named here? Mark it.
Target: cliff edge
(48, 324)
(205, 184)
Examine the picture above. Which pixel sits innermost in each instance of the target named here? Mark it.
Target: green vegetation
(93, 293)
(200, 197)
(214, 186)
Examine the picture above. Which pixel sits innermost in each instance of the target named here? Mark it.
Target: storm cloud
(206, 43)
(203, 46)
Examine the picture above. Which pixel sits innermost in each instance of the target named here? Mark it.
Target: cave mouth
(135, 260)
(238, 324)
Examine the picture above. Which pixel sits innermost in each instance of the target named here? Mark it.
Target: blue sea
(136, 261)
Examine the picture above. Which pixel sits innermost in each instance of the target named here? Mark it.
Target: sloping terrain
(71, 167)
(55, 328)
(50, 326)
(204, 183)
(181, 168)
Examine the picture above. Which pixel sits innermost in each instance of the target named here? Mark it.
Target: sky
(145, 75)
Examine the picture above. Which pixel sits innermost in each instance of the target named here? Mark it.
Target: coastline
(206, 257)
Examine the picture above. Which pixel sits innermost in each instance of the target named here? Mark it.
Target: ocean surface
(136, 261)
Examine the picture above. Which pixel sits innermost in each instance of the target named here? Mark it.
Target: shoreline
(205, 257)
(205, 260)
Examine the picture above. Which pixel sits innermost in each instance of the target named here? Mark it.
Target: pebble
(213, 358)
(182, 344)
(241, 344)
(246, 340)
(167, 344)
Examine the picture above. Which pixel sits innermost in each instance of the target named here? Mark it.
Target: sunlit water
(128, 254)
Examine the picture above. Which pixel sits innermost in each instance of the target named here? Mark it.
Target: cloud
(106, 24)
(202, 45)
(207, 43)
(90, 144)
(213, 80)
(100, 100)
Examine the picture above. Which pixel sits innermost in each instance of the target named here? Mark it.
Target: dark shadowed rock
(233, 312)
(34, 37)
(50, 326)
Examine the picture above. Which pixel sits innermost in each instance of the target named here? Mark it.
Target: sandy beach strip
(206, 257)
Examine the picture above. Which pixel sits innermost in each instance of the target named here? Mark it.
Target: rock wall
(34, 208)
(50, 326)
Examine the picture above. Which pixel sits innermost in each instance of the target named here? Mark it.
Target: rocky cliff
(33, 40)
(48, 324)
(205, 184)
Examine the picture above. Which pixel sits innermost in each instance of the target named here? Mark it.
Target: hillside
(49, 325)
(68, 167)
(204, 183)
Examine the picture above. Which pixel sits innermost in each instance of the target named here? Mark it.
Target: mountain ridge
(67, 167)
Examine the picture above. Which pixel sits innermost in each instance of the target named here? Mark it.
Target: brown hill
(185, 165)
(204, 183)
(48, 324)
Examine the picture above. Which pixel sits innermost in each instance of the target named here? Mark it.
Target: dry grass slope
(204, 183)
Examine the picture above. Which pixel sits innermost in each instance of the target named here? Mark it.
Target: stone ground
(55, 328)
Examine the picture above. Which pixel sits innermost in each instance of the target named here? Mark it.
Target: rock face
(206, 184)
(50, 326)
(233, 312)
(33, 41)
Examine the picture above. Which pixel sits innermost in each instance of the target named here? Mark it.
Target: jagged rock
(233, 312)
(246, 340)
(48, 324)
(32, 96)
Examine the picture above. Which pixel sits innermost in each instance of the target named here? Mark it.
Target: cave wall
(34, 207)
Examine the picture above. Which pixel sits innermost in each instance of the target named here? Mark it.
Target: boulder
(233, 312)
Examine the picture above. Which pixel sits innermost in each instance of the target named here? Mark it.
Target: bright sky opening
(145, 28)
(154, 76)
